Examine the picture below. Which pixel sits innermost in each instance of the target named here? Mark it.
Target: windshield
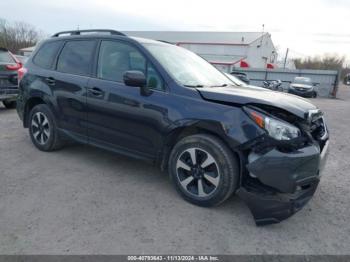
(186, 67)
(302, 80)
(235, 80)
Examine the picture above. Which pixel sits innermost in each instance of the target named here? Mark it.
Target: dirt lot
(83, 200)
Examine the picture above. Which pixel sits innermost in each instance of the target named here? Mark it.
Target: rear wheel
(205, 172)
(43, 129)
(9, 104)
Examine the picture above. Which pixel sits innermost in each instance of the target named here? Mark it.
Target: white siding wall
(228, 50)
(259, 56)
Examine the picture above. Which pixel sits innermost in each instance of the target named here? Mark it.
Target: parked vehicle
(274, 85)
(163, 103)
(303, 86)
(347, 80)
(8, 78)
(242, 76)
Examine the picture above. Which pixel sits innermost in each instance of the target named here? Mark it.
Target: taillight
(14, 67)
(21, 72)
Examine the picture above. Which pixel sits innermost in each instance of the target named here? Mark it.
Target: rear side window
(5, 57)
(76, 57)
(47, 54)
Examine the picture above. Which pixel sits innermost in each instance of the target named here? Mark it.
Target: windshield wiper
(194, 86)
(223, 85)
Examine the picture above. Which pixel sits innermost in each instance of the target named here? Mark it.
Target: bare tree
(17, 35)
(326, 62)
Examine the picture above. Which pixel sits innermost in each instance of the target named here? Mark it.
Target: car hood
(301, 85)
(246, 95)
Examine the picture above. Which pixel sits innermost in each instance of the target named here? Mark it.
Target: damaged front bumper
(280, 184)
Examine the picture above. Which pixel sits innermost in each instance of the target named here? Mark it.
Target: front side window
(76, 57)
(47, 54)
(115, 58)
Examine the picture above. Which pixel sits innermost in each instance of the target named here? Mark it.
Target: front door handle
(95, 91)
(50, 81)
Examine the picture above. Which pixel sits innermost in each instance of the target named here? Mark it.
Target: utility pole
(262, 34)
(285, 59)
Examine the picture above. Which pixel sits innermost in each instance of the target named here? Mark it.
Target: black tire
(9, 104)
(226, 164)
(53, 141)
(314, 95)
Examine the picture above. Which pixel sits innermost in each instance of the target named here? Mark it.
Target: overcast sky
(307, 27)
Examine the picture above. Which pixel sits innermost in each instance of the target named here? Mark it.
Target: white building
(226, 50)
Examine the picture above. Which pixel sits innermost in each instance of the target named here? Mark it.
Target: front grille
(301, 89)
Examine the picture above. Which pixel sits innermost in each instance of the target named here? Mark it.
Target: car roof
(101, 33)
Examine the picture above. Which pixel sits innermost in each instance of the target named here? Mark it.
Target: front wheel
(204, 170)
(43, 129)
(9, 104)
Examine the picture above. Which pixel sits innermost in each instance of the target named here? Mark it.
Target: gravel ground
(83, 200)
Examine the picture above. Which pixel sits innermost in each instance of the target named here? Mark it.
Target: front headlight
(278, 129)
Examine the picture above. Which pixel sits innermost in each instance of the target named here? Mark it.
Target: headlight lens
(277, 129)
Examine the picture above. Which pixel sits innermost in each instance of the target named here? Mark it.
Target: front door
(119, 117)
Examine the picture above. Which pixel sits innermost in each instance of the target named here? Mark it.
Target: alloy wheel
(198, 172)
(40, 128)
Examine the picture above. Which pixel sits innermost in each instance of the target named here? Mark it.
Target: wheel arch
(191, 128)
(30, 104)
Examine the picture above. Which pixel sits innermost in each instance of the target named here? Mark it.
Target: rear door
(69, 83)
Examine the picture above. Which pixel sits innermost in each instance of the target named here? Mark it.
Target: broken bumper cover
(291, 179)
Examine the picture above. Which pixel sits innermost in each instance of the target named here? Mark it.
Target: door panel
(119, 117)
(70, 94)
(69, 82)
(123, 119)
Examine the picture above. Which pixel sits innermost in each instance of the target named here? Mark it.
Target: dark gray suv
(162, 103)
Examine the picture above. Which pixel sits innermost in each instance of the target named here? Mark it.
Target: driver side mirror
(136, 79)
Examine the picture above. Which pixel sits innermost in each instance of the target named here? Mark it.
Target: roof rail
(78, 32)
(165, 42)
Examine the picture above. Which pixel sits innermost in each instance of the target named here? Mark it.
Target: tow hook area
(276, 184)
(285, 171)
(273, 208)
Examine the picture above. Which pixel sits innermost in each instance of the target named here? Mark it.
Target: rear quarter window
(46, 55)
(5, 57)
(76, 57)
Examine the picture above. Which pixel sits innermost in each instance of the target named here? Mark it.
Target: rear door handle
(95, 91)
(50, 81)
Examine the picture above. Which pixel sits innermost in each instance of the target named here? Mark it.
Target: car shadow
(145, 172)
